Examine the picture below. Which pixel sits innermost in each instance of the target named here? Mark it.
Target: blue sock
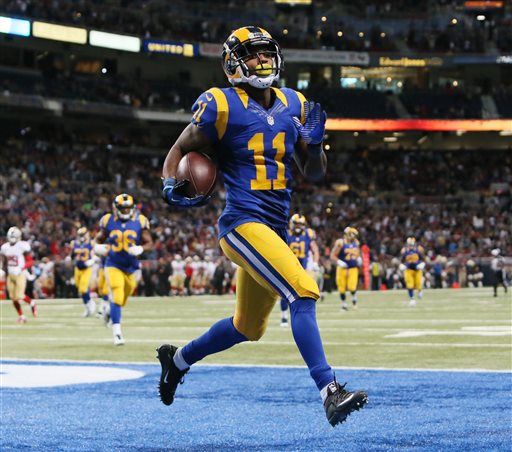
(307, 337)
(86, 297)
(115, 312)
(221, 336)
(284, 304)
(411, 293)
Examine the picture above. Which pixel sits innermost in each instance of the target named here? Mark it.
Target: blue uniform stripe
(256, 260)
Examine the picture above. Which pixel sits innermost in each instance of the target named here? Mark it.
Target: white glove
(420, 266)
(89, 262)
(135, 250)
(315, 267)
(359, 261)
(101, 249)
(402, 267)
(341, 264)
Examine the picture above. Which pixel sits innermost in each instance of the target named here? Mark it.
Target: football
(199, 172)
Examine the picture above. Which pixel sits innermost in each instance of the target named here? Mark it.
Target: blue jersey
(121, 235)
(81, 252)
(350, 253)
(254, 150)
(301, 245)
(412, 256)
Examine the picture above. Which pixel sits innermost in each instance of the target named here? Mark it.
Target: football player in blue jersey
(254, 131)
(347, 256)
(122, 237)
(412, 265)
(302, 241)
(81, 253)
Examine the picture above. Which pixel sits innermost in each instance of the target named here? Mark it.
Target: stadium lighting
(340, 34)
(480, 17)
(324, 19)
(12, 26)
(430, 125)
(114, 41)
(454, 21)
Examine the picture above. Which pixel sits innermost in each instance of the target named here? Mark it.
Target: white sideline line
(290, 343)
(273, 366)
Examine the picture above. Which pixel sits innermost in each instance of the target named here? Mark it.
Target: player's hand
(101, 249)
(135, 250)
(420, 266)
(402, 267)
(315, 267)
(359, 261)
(313, 129)
(174, 199)
(89, 262)
(341, 264)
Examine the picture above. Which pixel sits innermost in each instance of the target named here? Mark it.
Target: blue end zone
(264, 409)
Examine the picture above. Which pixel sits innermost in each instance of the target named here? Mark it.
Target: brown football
(200, 173)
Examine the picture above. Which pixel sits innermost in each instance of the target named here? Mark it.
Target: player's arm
(199, 135)
(191, 139)
(100, 247)
(146, 240)
(336, 250)
(315, 252)
(311, 157)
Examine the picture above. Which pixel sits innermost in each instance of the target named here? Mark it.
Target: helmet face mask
(298, 224)
(410, 242)
(246, 43)
(350, 234)
(13, 235)
(82, 235)
(124, 206)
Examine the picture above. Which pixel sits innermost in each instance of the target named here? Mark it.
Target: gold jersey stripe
(222, 111)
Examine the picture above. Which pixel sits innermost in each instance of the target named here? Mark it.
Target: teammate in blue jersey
(123, 236)
(81, 253)
(347, 256)
(412, 265)
(302, 241)
(254, 132)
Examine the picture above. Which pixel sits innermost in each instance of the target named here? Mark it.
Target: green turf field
(455, 329)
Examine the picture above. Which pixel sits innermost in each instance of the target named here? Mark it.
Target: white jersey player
(14, 254)
(177, 278)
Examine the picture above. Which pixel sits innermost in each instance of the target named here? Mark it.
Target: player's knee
(253, 332)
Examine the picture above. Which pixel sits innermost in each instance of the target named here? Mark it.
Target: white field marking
(273, 366)
(22, 376)
(464, 331)
(278, 343)
(220, 301)
(488, 328)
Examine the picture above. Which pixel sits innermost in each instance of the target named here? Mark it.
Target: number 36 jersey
(121, 235)
(254, 150)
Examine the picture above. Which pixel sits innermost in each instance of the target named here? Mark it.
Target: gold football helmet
(82, 235)
(244, 43)
(351, 234)
(298, 223)
(124, 206)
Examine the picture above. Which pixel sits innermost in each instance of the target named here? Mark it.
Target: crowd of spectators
(457, 204)
(434, 26)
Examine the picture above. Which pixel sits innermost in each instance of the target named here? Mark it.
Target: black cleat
(340, 403)
(171, 376)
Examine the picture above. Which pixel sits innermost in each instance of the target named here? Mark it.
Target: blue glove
(174, 199)
(312, 132)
